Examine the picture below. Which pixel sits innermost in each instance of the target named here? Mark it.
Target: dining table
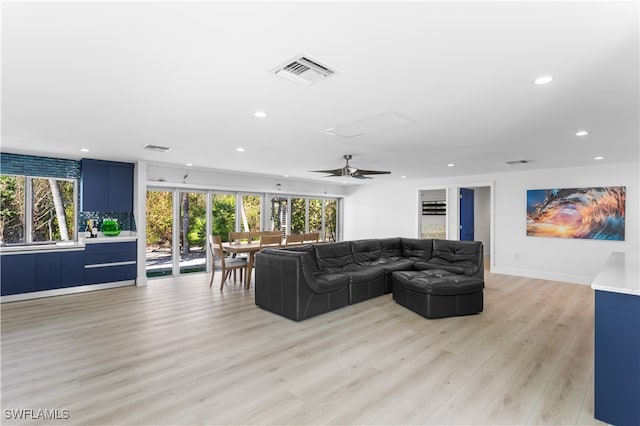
(250, 248)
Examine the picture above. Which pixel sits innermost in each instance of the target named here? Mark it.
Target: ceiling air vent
(514, 162)
(303, 70)
(157, 148)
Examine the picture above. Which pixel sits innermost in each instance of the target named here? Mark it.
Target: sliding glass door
(298, 216)
(279, 215)
(179, 222)
(159, 233)
(250, 212)
(193, 232)
(223, 215)
(330, 220)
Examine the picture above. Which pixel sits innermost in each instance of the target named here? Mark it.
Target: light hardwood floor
(179, 352)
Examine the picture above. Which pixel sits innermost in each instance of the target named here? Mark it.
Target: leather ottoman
(436, 293)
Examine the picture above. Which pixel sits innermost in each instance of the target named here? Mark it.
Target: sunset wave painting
(589, 213)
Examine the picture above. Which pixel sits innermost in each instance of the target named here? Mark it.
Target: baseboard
(63, 291)
(568, 278)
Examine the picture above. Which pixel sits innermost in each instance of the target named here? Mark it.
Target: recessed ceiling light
(260, 114)
(598, 158)
(286, 175)
(403, 177)
(189, 164)
(450, 165)
(240, 149)
(543, 80)
(84, 150)
(582, 133)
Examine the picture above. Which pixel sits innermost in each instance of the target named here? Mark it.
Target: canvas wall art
(596, 213)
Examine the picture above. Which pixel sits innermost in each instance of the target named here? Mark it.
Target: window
(223, 215)
(159, 233)
(250, 212)
(315, 215)
(193, 232)
(330, 220)
(178, 222)
(279, 218)
(37, 209)
(298, 215)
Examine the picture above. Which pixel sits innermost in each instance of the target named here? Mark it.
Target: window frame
(28, 225)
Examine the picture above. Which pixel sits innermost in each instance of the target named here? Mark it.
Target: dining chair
(294, 239)
(272, 233)
(254, 235)
(239, 237)
(311, 237)
(270, 241)
(220, 261)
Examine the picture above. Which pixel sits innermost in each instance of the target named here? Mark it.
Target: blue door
(466, 214)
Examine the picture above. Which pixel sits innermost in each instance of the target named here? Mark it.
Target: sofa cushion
(391, 247)
(456, 251)
(366, 275)
(462, 267)
(326, 282)
(334, 256)
(366, 250)
(392, 264)
(417, 249)
(308, 248)
(437, 282)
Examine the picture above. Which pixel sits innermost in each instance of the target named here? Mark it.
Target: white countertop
(124, 236)
(619, 274)
(69, 245)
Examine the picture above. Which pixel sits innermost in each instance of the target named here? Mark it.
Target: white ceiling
(114, 76)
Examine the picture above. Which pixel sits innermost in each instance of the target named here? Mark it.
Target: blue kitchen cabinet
(106, 186)
(48, 270)
(17, 273)
(617, 358)
(72, 273)
(29, 272)
(110, 262)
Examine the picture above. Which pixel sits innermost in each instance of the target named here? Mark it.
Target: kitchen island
(617, 340)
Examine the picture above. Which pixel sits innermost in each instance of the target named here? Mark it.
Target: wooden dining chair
(254, 235)
(240, 237)
(272, 233)
(270, 241)
(223, 263)
(294, 239)
(311, 237)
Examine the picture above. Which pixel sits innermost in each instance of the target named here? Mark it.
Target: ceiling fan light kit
(348, 171)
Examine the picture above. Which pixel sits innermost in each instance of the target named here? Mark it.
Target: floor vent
(303, 70)
(514, 162)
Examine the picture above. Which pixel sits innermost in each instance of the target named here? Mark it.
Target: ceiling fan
(353, 172)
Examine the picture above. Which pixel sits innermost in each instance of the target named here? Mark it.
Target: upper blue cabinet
(106, 186)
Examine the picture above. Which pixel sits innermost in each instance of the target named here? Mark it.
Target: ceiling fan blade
(334, 172)
(371, 172)
(353, 172)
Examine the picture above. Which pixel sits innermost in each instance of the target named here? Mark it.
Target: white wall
(384, 210)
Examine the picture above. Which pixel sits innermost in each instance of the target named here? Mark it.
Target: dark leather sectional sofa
(304, 281)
